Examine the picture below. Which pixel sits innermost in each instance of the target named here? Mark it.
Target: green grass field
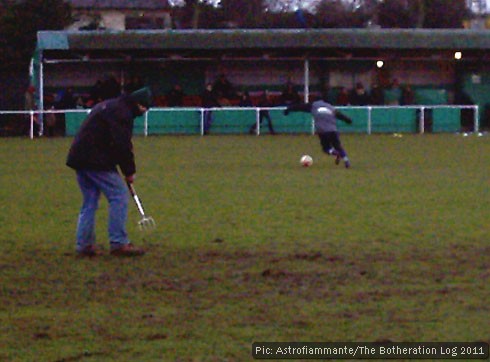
(249, 247)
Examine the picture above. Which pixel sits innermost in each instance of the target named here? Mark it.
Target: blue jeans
(111, 184)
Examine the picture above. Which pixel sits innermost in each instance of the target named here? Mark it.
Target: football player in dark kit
(325, 117)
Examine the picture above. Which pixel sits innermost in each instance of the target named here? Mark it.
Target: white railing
(37, 117)
(422, 109)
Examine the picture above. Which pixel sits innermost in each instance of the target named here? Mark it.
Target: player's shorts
(330, 140)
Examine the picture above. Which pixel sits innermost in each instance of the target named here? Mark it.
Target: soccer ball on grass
(306, 161)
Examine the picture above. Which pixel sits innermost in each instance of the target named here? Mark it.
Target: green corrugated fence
(73, 121)
(240, 120)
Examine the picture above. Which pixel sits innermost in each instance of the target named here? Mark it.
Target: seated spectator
(326, 92)
(289, 95)
(67, 100)
(245, 100)
(223, 88)
(376, 96)
(359, 96)
(208, 99)
(110, 87)
(175, 96)
(95, 94)
(408, 96)
(133, 84)
(222, 100)
(393, 94)
(342, 97)
(80, 104)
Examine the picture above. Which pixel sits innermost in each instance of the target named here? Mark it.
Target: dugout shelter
(443, 67)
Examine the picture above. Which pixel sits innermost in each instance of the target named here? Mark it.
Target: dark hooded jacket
(104, 139)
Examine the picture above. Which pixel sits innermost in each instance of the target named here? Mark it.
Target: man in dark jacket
(208, 100)
(325, 117)
(102, 144)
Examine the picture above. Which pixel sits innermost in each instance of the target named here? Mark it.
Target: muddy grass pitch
(250, 246)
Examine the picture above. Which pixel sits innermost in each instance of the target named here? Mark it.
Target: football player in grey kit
(325, 117)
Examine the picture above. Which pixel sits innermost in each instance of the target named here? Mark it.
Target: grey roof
(120, 4)
(283, 39)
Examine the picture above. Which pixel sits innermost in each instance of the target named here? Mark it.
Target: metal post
(307, 81)
(369, 120)
(146, 124)
(477, 120)
(202, 121)
(41, 93)
(31, 129)
(257, 121)
(422, 120)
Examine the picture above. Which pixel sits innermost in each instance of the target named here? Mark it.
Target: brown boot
(89, 251)
(127, 250)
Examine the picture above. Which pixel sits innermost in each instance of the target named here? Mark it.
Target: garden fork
(146, 222)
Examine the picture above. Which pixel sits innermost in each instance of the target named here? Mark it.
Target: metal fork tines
(146, 223)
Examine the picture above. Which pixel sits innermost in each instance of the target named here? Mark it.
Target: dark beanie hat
(142, 96)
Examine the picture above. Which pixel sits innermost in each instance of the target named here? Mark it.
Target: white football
(306, 161)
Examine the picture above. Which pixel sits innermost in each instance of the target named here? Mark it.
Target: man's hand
(130, 178)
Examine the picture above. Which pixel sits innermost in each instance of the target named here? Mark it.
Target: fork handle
(137, 201)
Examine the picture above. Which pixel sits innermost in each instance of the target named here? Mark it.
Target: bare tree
(322, 13)
(419, 12)
(395, 14)
(344, 14)
(189, 13)
(20, 21)
(243, 13)
(445, 13)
